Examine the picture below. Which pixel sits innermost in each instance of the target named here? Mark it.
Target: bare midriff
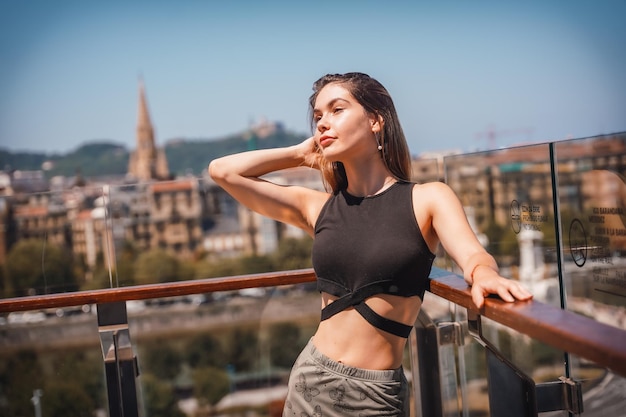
(348, 338)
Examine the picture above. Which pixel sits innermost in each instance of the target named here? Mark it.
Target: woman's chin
(330, 154)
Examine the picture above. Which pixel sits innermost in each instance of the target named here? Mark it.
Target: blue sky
(532, 71)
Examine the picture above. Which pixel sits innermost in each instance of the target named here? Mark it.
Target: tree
(255, 264)
(161, 359)
(186, 271)
(81, 368)
(122, 274)
(236, 266)
(205, 350)
(158, 398)
(285, 344)
(40, 267)
(243, 351)
(156, 266)
(5, 286)
(210, 384)
(216, 268)
(62, 398)
(293, 254)
(125, 268)
(20, 375)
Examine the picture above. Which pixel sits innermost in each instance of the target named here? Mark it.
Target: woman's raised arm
(240, 175)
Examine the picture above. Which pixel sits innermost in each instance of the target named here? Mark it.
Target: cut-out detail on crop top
(370, 245)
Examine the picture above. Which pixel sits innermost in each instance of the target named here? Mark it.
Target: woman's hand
(309, 152)
(487, 281)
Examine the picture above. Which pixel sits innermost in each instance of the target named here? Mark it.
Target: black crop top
(370, 245)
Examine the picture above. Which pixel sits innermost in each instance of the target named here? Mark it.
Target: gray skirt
(322, 387)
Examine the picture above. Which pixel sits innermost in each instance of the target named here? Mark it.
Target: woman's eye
(337, 109)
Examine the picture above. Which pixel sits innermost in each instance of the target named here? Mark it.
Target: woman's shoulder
(435, 192)
(433, 187)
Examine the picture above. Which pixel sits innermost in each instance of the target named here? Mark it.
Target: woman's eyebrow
(331, 103)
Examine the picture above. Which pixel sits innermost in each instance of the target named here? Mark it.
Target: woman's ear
(377, 123)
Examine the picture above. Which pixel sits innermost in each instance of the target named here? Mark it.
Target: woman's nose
(322, 124)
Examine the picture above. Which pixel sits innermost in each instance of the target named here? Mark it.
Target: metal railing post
(424, 354)
(434, 374)
(120, 363)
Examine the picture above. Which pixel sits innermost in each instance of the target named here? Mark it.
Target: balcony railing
(601, 344)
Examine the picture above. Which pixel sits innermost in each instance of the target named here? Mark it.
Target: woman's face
(344, 129)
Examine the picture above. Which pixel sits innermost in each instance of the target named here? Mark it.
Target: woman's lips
(326, 140)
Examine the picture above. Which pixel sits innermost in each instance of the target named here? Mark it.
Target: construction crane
(492, 134)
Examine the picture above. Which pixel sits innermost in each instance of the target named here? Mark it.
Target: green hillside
(107, 158)
(193, 156)
(22, 160)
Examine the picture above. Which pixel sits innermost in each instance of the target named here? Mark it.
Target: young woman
(375, 234)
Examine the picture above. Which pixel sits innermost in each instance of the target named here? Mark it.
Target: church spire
(146, 162)
(143, 116)
(145, 132)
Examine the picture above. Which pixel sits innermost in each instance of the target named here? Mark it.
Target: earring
(380, 147)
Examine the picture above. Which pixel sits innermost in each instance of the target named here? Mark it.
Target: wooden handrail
(579, 335)
(149, 291)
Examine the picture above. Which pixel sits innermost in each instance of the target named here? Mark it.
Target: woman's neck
(368, 180)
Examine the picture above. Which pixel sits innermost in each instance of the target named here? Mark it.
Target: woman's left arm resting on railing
(480, 269)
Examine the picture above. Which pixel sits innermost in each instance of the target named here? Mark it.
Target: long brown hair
(375, 99)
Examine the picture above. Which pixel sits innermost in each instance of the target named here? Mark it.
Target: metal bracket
(564, 394)
(450, 332)
(474, 327)
(512, 393)
(120, 363)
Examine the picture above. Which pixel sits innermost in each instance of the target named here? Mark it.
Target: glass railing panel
(508, 198)
(126, 211)
(51, 363)
(507, 195)
(167, 231)
(591, 176)
(47, 238)
(116, 234)
(592, 185)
